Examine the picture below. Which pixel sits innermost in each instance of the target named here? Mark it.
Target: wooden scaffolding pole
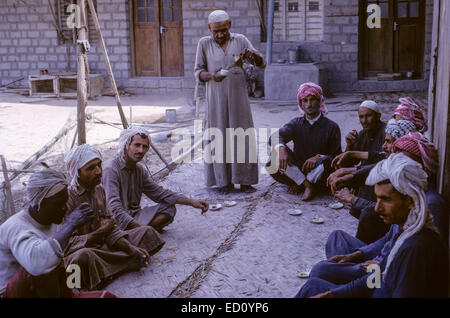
(108, 64)
(8, 192)
(82, 75)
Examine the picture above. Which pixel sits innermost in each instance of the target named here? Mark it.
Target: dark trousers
(326, 275)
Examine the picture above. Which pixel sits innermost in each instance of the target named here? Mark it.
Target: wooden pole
(81, 76)
(8, 192)
(108, 64)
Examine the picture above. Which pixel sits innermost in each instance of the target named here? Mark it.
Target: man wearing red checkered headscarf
(415, 143)
(410, 110)
(317, 140)
(315, 90)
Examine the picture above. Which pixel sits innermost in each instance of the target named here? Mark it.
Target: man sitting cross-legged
(316, 139)
(411, 256)
(99, 247)
(31, 245)
(125, 180)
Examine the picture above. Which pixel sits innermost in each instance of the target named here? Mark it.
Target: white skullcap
(371, 105)
(218, 16)
(77, 158)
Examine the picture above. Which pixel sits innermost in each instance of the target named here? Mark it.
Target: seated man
(125, 180)
(370, 226)
(417, 147)
(412, 256)
(316, 139)
(100, 249)
(31, 247)
(370, 139)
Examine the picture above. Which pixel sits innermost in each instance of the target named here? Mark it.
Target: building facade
(152, 43)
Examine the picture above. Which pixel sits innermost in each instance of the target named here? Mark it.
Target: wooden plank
(108, 64)
(8, 192)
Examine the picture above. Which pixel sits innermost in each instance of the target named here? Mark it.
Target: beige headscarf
(77, 158)
(44, 184)
(127, 135)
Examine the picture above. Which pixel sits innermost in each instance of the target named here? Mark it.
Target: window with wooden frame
(296, 20)
(63, 14)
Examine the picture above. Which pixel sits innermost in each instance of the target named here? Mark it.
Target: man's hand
(208, 76)
(340, 160)
(98, 236)
(107, 226)
(369, 262)
(200, 204)
(254, 58)
(354, 257)
(351, 137)
(217, 78)
(340, 178)
(139, 253)
(346, 195)
(282, 159)
(82, 214)
(327, 294)
(310, 164)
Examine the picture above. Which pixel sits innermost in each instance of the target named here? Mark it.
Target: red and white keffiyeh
(417, 144)
(307, 89)
(410, 110)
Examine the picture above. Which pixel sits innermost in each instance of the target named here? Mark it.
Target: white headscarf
(77, 158)
(42, 183)
(407, 177)
(127, 135)
(218, 16)
(370, 104)
(399, 128)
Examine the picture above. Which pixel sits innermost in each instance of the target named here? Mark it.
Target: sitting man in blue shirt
(411, 256)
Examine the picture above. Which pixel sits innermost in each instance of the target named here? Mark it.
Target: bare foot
(309, 191)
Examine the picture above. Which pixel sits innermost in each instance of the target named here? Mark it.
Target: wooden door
(146, 37)
(171, 30)
(398, 45)
(158, 38)
(377, 50)
(409, 27)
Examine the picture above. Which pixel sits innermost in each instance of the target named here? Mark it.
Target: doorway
(396, 47)
(158, 38)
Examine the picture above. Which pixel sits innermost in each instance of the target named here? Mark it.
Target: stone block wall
(28, 43)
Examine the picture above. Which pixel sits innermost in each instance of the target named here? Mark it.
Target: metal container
(171, 115)
(292, 54)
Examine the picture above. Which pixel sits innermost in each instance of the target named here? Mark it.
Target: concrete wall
(28, 43)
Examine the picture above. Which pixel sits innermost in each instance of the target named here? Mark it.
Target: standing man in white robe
(228, 105)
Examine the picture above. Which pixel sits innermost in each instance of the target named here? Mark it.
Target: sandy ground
(255, 249)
